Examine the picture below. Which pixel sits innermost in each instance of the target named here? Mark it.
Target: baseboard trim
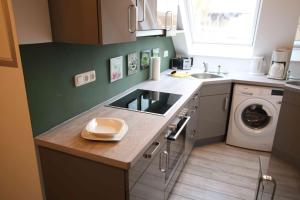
(201, 142)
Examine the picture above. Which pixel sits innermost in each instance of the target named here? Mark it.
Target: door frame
(5, 61)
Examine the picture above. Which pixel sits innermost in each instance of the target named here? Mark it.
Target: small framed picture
(145, 59)
(116, 68)
(132, 64)
(155, 52)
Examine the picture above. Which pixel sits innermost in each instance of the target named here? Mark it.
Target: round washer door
(255, 117)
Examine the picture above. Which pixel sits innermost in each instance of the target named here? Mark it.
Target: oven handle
(187, 119)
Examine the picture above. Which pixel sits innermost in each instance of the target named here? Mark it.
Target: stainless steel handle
(144, 11)
(226, 103)
(187, 119)
(152, 150)
(247, 93)
(270, 179)
(165, 155)
(129, 19)
(166, 20)
(193, 133)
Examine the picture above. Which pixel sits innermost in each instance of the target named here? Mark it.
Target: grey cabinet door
(147, 178)
(118, 21)
(287, 137)
(192, 126)
(212, 116)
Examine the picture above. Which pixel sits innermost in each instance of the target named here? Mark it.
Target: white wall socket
(166, 53)
(84, 78)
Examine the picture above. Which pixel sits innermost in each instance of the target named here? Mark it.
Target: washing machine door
(255, 117)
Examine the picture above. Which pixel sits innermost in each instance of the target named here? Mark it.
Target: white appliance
(253, 118)
(257, 66)
(279, 64)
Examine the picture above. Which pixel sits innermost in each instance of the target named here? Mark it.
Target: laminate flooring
(219, 172)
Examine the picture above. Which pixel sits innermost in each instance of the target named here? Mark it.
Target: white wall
(19, 178)
(231, 65)
(277, 26)
(33, 21)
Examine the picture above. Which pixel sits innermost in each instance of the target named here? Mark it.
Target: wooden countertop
(143, 128)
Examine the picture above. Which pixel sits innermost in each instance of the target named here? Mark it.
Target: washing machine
(253, 117)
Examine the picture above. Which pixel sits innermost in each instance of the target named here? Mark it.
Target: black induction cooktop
(147, 101)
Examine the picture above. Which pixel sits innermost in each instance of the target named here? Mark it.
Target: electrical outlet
(92, 75)
(84, 78)
(166, 53)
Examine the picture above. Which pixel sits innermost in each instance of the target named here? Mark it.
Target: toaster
(184, 63)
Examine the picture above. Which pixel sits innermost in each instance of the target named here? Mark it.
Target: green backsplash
(49, 71)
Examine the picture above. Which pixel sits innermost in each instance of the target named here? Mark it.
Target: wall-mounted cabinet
(93, 21)
(111, 21)
(157, 15)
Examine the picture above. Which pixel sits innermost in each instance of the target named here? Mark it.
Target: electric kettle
(279, 64)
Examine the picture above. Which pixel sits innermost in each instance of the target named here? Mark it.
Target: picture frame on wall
(116, 68)
(132, 63)
(145, 59)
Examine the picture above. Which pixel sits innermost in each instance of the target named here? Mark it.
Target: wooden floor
(218, 172)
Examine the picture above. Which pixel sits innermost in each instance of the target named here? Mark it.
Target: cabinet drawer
(137, 170)
(207, 90)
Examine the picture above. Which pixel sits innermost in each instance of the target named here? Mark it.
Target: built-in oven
(176, 136)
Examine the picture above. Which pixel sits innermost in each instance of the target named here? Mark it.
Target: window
(230, 22)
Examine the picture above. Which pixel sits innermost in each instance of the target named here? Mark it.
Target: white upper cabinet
(157, 15)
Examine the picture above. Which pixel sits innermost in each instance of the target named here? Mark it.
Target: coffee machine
(279, 64)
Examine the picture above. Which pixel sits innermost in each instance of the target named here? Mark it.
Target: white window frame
(296, 50)
(219, 49)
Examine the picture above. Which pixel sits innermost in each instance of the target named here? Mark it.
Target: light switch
(92, 75)
(166, 53)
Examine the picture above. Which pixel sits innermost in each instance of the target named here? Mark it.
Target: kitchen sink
(205, 75)
(296, 83)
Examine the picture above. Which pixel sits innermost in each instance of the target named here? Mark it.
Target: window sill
(223, 51)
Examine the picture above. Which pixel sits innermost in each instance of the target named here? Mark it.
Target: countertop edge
(126, 165)
(83, 155)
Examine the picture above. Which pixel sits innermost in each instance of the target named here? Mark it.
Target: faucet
(219, 69)
(205, 67)
(288, 75)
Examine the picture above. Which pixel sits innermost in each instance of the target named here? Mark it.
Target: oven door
(176, 145)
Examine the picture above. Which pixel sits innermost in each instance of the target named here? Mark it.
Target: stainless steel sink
(205, 75)
(296, 83)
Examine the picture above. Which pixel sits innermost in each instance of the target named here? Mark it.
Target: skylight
(225, 22)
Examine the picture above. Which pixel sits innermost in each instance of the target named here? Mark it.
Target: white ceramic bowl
(105, 127)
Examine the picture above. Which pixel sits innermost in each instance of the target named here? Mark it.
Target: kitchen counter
(143, 127)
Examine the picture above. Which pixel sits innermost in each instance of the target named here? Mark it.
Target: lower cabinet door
(192, 126)
(151, 183)
(212, 116)
(191, 133)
